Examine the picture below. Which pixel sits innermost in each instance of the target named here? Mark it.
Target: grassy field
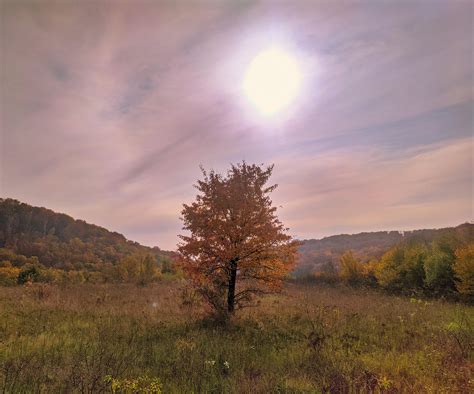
(311, 338)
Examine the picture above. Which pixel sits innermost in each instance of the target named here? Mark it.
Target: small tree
(352, 270)
(439, 274)
(237, 248)
(139, 268)
(464, 270)
(402, 267)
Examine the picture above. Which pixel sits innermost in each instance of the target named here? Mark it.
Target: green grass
(308, 339)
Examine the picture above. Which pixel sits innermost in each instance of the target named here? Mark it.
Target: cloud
(359, 189)
(108, 110)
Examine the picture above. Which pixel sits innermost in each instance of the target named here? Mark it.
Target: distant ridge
(366, 245)
(60, 241)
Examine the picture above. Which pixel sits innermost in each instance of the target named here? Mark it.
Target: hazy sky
(109, 108)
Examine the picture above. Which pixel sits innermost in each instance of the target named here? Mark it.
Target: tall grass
(95, 338)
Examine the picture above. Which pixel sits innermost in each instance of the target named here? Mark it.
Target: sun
(272, 81)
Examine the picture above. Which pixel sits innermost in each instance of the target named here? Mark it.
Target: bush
(142, 384)
(439, 273)
(352, 270)
(464, 270)
(141, 269)
(402, 267)
(30, 274)
(9, 275)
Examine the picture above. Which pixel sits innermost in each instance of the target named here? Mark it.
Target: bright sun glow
(272, 81)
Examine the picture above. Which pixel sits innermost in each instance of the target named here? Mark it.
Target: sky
(108, 109)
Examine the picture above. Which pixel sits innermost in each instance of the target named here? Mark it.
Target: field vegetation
(311, 338)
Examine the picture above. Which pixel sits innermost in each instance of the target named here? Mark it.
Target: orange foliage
(237, 247)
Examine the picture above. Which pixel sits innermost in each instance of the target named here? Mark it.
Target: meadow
(311, 338)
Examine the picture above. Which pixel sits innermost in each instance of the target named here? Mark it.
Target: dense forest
(317, 254)
(42, 242)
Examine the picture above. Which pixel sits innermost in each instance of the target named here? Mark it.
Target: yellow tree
(352, 270)
(236, 247)
(139, 268)
(464, 270)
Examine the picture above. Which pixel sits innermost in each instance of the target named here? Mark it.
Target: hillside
(315, 253)
(59, 241)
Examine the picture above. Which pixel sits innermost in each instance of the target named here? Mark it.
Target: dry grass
(308, 339)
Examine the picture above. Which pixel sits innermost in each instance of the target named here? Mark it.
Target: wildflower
(226, 364)
(453, 326)
(209, 363)
(385, 383)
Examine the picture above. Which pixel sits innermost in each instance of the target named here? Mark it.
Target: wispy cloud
(108, 110)
(368, 188)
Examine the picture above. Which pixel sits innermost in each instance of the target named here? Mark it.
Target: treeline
(314, 254)
(137, 268)
(54, 247)
(442, 266)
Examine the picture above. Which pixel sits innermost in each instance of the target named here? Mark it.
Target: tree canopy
(236, 248)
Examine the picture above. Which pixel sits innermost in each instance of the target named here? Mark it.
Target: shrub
(142, 384)
(352, 270)
(370, 270)
(439, 274)
(141, 269)
(402, 267)
(30, 274)
(8, 275)
(464, 270)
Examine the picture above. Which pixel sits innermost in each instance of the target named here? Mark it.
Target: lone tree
(237, 248)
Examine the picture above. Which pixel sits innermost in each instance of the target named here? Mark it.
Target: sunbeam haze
(108, 109)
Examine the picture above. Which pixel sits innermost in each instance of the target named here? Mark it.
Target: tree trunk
(231, 288)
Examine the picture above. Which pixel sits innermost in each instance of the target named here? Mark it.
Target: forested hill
(316, 253)
(60, 241)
